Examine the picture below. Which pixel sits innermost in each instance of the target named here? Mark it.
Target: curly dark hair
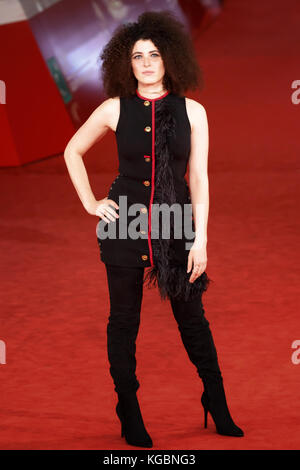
(182, 71)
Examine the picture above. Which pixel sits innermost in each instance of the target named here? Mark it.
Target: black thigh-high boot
(126, 292)
(198, 342)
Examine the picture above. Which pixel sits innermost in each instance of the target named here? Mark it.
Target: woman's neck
(151, 91)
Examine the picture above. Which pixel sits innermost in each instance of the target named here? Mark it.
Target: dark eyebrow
(142, 53)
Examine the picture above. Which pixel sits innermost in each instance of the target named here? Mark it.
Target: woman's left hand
(197, 260)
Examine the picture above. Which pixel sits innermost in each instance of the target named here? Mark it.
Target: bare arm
(199, 185)
(96, 126)
(198, 178)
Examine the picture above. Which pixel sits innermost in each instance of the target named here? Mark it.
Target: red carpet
(56, 390)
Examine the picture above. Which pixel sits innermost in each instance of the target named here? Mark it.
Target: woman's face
(145, 57)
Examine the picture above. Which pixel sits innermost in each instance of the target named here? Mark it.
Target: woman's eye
(153, 54)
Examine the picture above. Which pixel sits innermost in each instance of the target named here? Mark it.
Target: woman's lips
(147, 73)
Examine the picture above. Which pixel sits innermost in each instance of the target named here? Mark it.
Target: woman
(146, 67)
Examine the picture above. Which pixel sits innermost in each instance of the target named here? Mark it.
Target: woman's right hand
(103, 210)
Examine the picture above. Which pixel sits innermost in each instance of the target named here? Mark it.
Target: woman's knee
(189, 313)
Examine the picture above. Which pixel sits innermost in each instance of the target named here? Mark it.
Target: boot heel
(132, 424)
(205, 408)
(214, 400)
(120, 416)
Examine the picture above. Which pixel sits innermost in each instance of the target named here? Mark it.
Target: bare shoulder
(195, 111)
(109, 111)
(103, 118)
(194, 105)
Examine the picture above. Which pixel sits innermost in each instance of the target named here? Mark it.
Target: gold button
(147, 129)
(143, 232)
(147, 159)
(144, 210)
(146, 103)
(144, 257)
(146, 183)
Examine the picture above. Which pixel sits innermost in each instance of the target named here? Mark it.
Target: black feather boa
(172, 280)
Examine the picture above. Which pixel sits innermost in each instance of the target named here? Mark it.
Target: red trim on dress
(153, 180)
(153, 165)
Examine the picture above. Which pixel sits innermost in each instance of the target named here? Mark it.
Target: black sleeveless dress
(154, 142)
